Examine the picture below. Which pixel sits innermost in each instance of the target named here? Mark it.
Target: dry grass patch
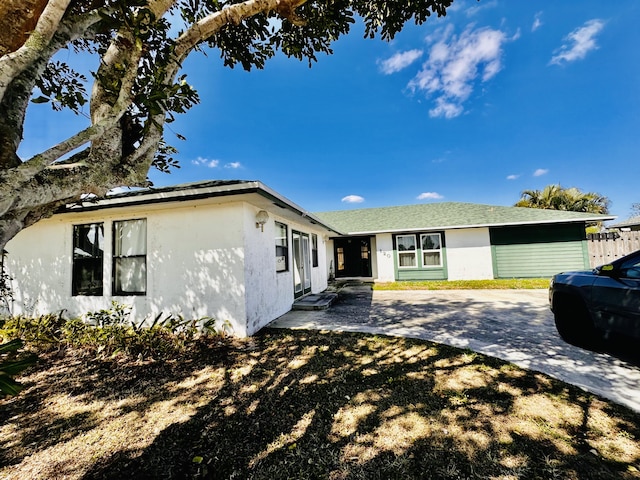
(310, 405)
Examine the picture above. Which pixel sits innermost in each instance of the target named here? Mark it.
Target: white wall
(202, 260)
(384, 258)
(269, 294)
(469, 254)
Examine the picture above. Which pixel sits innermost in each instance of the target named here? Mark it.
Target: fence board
(606, 247)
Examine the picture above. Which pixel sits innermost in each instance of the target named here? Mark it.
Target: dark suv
(592, 304)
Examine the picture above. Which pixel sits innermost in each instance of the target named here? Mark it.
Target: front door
(301, 264)
(353, 256)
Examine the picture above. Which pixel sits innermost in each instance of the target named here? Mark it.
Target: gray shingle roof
(629, 222)
(446, 215)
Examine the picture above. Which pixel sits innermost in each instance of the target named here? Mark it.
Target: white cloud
(578, 43)
(429, 196)
(540, 171)
(233, 165)
(206, 162)
(353, 199)
(454, 65)
(478, 7)
(513, 177)
(537, 22)
(399, 61)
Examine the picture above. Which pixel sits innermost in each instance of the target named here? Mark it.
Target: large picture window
(431, 250)
(282, 248)
(88, 259)
(130, 257)
(406, 251)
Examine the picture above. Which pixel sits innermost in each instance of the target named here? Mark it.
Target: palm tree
(555, 197)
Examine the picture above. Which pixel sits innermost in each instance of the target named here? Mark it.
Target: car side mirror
(609, 271)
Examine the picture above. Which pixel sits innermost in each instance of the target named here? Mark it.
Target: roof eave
(167, 195)
(484, 225)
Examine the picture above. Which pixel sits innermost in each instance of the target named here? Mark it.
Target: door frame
(355, 260)
(301, 243)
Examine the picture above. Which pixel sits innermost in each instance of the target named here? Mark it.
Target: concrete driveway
(514, 325)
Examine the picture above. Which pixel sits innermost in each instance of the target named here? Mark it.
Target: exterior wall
(384, 257)
(469, 254)
(194, 272)
(269, 294)
(203, 260)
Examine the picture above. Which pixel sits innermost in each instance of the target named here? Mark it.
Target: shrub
(110, 331)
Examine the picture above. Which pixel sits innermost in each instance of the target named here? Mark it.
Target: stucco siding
(195, 258)
(384, 258)
(469, 254)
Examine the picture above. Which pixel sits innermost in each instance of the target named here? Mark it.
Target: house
(242, 253)
(629, 225)
(233, 250)
(458, 241)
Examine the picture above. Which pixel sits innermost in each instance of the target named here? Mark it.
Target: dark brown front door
(352, 256)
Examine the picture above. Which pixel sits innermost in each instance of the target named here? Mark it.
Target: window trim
(285, 247)
(115, 258)
(74, 287)
(414, 251)
(438, 250)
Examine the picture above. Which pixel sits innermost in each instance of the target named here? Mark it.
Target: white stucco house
(233, 250)
(242, 253)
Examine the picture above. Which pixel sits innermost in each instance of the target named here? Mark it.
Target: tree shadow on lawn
(301, 404)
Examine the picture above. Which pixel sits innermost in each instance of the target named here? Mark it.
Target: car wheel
(574, 323)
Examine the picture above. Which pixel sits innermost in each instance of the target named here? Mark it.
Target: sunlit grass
(310, 405)
(498, 284)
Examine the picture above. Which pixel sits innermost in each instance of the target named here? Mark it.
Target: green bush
(111, 331)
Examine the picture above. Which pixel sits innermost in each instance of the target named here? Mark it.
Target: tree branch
(234, 14)
(15, 62)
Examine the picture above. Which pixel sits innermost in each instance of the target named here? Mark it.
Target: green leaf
(8, 386)
(40, 99)
(11, 346)
(16, 366)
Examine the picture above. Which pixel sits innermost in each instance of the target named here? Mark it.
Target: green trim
(585, 254)
(420, 273)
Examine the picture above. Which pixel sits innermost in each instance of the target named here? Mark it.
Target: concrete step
(315, 301)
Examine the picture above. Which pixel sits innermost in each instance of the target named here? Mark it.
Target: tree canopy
(555, 197)
(139, 86)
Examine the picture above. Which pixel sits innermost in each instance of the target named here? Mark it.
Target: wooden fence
(606, 247)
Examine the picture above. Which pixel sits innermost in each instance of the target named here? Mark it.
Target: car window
(631, 268)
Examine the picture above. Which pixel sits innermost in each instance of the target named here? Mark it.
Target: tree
(555, 197)
(139, 86)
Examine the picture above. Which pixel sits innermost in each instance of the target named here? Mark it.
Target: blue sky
(496, 98)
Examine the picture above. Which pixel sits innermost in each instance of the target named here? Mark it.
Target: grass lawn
(506, 283)
(310, 405)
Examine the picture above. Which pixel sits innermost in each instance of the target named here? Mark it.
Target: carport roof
(446, 215)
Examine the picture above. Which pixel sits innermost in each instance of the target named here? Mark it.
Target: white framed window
(130, 257)
(282, 247)
(88, 259)
(407, 251)
(431, 244)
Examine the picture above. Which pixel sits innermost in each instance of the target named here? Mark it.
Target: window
(88, 258)
(282, 248)
(431, 250)
(314, 250)
(406, 250)
(130, 257)
(340, 255)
